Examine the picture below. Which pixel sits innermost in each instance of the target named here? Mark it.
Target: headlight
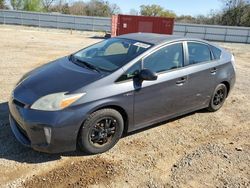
(56, 101)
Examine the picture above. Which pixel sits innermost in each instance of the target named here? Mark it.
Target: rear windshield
(111, 54)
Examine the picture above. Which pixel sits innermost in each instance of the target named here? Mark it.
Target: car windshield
(109, 55)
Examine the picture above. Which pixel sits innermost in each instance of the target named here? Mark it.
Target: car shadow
(106, 36)
(97, 37)
(11, 149)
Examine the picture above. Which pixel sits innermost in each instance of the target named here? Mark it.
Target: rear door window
(216, 52)
(198, 53)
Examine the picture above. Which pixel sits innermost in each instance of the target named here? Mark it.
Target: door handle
(213, 70)
(181, 81)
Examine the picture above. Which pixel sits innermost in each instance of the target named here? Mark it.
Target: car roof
(155, 39)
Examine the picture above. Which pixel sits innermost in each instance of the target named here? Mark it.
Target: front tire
(218, 98)
(101, 131)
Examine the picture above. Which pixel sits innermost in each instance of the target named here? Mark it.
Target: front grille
(18, 103)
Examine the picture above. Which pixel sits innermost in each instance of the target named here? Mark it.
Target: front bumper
(50, 132)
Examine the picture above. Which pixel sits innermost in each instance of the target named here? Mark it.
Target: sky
(186, 7)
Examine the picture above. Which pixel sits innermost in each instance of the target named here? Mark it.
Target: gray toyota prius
(89, 99)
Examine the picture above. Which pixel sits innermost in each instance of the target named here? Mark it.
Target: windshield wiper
(86, 64)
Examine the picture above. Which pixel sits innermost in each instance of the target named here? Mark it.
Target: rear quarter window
(216, 52)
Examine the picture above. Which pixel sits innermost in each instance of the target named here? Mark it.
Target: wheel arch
(122, 111)
(118, 108)
(227, 84)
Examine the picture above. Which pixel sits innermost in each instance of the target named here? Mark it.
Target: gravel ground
(200, 149)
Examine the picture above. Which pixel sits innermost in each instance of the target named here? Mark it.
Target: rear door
(201, 69)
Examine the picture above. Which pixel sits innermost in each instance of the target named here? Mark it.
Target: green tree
(2, 4)
(101, 8)
(245, 19)
(114, 8)
(151, 10)
(185, 19)
(155, 10)
(57, 7)
(78, 8)
(167, 13)
(89, 8)
(65, 9)
(32, 5)
(231, 4)
(97, 8)
(47, 4)
(235, 13)
(16, 4)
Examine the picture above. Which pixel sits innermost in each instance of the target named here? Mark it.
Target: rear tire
(218, 98)
(101, 131)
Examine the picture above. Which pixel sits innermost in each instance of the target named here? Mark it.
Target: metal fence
(214, 32)
(208, 32)
(51, 20)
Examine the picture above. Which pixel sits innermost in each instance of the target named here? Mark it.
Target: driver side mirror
(148, 75)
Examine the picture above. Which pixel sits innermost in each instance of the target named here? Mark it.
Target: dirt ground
(198, 150)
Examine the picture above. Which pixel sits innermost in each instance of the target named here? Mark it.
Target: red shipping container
(123, 24)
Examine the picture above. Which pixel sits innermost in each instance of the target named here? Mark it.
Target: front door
(156, 100)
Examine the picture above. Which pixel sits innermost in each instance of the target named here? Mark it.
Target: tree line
(90, 8)
(234, 12)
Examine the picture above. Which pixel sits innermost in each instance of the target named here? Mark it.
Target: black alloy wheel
(101, 131)
(218, 98)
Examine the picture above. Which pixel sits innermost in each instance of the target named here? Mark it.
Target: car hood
(59, 76)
